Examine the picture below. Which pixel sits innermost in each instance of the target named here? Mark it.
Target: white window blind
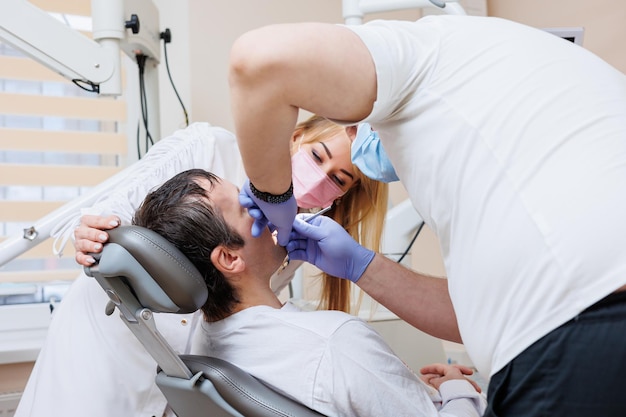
(56, 142)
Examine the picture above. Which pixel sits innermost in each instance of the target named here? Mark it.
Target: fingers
(256, 213)
(258, 226)
(100, 222)
(245, 200)
(89, 236)
(297, 251)
(474, 384)
(435, 368)
(427, 378)
(307, 230)
(436, 374)
(465, 370)
(282, 235)
(84, 259)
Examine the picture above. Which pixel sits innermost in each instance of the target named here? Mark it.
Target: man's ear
(351, 132)
(227, 261)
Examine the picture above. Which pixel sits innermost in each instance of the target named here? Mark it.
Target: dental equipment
(94, 63)
(318, 213)
(307, 219)
(353, 11)
(131, 26)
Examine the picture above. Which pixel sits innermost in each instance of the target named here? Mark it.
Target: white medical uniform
(330, 361)
(91, 364)
(512, 148)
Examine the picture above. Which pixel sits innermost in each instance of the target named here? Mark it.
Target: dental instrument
(307, 219)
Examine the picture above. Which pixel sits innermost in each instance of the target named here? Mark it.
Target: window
(57, 141)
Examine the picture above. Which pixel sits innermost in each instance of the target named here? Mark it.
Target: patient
(312, 357)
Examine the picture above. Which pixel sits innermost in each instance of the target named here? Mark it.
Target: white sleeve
(361, 376)
(461, 399)
(198, 146)
(404, 53)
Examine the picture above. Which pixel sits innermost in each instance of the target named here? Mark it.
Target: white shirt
(331, 362)
(511, 143)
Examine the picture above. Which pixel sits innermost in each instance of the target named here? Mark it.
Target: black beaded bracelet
(272, 198)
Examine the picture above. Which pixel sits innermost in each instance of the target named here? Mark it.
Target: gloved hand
(260, 221)
(327, 245)
(278, 216)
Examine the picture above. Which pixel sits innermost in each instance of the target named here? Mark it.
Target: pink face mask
(311, 186)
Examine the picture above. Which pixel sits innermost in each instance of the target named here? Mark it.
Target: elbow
(249, 59)
(263, 55)
(240, 66)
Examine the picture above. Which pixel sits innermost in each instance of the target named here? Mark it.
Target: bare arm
(420, 300)
(274, 71)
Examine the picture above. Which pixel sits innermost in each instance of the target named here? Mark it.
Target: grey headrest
(163, 269)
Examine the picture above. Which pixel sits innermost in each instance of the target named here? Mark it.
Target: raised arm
(274, 71)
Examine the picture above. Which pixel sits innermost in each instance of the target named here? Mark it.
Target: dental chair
(143, 273)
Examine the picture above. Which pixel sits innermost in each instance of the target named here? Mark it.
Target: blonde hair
(361, 211)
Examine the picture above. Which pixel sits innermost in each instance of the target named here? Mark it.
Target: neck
(254, 292)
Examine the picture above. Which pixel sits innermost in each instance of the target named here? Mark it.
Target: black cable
(87, 86)
(144, 103)
(141, 63)
(167, 38)
(138, 147)
(419, 229)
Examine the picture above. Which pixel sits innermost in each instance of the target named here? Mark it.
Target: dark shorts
(578, 369)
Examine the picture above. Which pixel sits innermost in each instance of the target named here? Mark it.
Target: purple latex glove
(327, 245)
(260, 221)
(278, 217)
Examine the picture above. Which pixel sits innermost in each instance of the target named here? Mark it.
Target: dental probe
(307, 219)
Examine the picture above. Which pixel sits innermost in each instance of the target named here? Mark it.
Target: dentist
(511, 143)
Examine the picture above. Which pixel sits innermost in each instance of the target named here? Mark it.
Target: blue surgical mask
(368, 154)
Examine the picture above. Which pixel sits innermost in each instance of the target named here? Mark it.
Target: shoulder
(321, 322)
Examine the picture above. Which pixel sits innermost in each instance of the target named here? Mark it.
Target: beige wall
(604, 21)
(216, 24)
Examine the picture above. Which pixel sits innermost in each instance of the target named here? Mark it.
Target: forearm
(263, 123)
(276, 70)
(420, 300)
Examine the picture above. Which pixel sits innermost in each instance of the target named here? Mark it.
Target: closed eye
(338, 180)
(316, 156)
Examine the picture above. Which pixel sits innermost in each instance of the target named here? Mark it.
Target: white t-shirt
(511, 143)
(331, 362)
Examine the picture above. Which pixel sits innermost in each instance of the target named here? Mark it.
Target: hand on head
(89, 236)
(327, 245)
(438, 373)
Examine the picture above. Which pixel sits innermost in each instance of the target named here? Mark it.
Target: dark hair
(180, 210)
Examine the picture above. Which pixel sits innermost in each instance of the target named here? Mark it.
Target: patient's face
(262, 253)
